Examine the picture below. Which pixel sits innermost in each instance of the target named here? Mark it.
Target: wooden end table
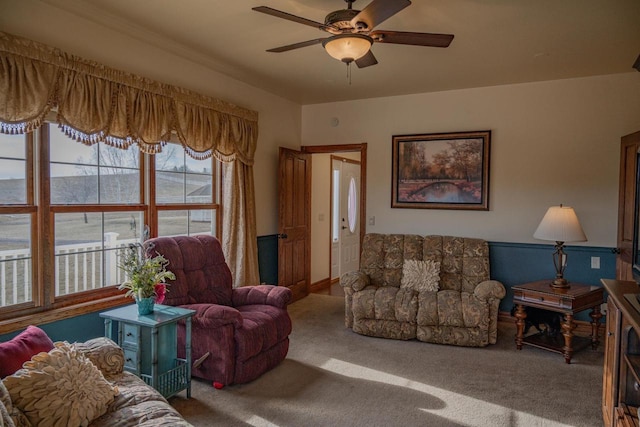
(576, 298)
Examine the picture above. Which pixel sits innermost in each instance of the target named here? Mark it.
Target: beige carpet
(334, 377)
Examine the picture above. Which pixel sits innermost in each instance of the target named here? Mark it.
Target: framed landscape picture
(441, 170)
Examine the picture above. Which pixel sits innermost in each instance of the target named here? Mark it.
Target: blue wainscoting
(519, 263)
(79, 328)
(511, 263)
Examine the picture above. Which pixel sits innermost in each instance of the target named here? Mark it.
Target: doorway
(324, 254)
(345, 223)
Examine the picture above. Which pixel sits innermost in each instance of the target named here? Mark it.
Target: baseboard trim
(582, 327)
(320, 285)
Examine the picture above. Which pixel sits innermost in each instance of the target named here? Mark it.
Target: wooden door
(626, 204)
(294, 228)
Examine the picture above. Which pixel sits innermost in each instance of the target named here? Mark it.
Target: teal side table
(150, 345)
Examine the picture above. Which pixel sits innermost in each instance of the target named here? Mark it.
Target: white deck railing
(78, 267)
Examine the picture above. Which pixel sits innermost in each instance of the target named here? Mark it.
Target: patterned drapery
(96, 103)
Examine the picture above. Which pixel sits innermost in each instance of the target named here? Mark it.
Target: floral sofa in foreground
(434, 288)
(80, 384)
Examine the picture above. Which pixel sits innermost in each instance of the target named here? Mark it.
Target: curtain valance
(96, 103)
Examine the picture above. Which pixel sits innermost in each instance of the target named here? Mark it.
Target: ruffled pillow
(420, 275)
(60, 388)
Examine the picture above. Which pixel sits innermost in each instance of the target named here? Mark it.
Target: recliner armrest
(490, 289)
(214, 315)
(356, 280)
(277, 296)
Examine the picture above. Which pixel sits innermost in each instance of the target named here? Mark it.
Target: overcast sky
(64, 149)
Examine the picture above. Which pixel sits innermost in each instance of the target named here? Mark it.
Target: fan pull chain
(349, 72)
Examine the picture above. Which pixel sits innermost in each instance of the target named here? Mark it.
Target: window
(335, 206)
(92, 200)
(352, 205)
(17, 217)
(186, 194)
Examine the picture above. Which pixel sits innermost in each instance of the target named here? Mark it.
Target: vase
(145, 305)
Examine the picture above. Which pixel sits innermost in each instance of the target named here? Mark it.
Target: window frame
(44, 306)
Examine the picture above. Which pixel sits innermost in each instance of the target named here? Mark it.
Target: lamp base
(560, 283)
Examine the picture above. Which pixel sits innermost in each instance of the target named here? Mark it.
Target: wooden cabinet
(621, 373)
(610, 371)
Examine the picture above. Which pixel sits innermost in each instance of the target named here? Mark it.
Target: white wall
(320, 216)
(552, 142)
(279, 119)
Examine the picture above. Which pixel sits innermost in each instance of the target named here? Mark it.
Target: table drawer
(130, 335)
(547, 299)
(130, 360)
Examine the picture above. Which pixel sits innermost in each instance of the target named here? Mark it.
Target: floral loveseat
(433, 288)
(81, 384)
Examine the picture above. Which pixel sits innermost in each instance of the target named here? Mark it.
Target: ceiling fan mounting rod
(350, 2)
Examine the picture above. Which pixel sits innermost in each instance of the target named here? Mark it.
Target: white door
(349, 216)
(336, 171)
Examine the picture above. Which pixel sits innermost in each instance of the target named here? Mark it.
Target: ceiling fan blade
(378, 11)
(295, 45)
(294, 18)
(367, 60)
(417, 39)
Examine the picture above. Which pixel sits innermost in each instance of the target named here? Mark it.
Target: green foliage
(142, 273)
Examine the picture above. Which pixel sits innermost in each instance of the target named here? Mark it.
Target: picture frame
(441, 170)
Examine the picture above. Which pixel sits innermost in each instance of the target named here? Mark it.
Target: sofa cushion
(138, 405)
(18, 350)
(461, 309)
(386, 303)
(61, 387)
(427, 309)
(420, 275)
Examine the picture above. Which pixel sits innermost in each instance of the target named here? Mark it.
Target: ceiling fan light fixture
(348, 47)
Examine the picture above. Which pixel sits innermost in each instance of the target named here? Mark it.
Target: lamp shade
(348, 47)
(560, 224)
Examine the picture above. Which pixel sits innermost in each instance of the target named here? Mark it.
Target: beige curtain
(239, 239)
(96, 103)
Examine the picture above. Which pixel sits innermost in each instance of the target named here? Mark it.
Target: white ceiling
(496, 42)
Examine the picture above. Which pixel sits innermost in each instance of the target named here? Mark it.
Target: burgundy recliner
(245, 330)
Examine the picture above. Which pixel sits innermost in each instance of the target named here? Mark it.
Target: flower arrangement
(145, 276)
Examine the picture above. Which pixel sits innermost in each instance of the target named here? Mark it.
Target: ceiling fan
(353, 34)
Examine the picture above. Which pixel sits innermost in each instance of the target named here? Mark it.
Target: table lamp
(560, 224)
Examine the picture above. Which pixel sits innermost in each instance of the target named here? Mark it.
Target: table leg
(567, 330)
(520, 316)
(595, 315)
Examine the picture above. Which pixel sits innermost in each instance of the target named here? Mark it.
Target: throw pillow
(420, 275)
(19, 349)
(61, 387)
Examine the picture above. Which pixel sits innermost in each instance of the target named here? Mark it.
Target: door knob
(282, 236)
